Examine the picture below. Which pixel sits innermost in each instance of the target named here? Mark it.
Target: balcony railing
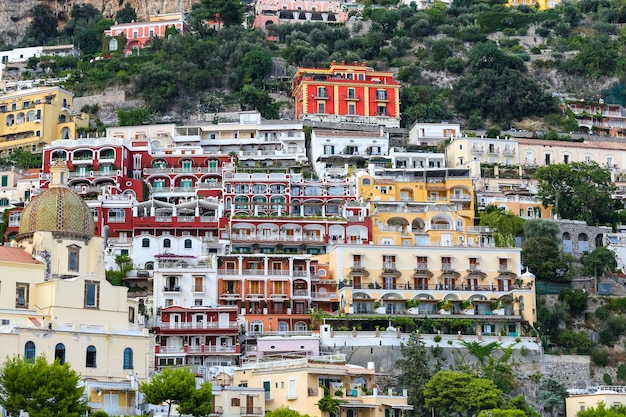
(389, 265)
(171, 289)
(250, 411)
(323, 295)
(197, 325)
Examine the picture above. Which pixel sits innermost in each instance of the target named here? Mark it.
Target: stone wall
(574, 371)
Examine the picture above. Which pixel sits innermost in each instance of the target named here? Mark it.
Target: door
(446, 238)
(110, 404)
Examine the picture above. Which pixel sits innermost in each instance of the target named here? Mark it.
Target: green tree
(541, 227)
(506, 224)
(544, 258)
(40, 388)
(328, 403)
(602, 411)
(578, 191)
(132, 117)
(229, 12)
(170, 386)
(284, 412)
(598, 261)
(256, 66)
(459, 394)
(552, 394)
(576, 299)
(43, 27)
(496, 412)
(199, 404)
(414, 373)
(126, 14)
(252, 98)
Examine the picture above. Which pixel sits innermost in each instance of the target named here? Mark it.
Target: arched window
(112, 45)
(90, 361)
(65, 133)
(187, 243)
(29, 351)
(128, 358)
(59, 353)
(167, 243)
(145, 242)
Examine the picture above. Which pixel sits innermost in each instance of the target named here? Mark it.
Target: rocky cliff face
(15, 15)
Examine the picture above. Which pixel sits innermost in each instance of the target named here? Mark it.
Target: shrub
(523, 351)
(437, 338)
(621, 372)
(607, 379)
(437, 351)
(600, 357)
(602, 313)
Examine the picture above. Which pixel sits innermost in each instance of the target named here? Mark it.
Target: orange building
(347, 93)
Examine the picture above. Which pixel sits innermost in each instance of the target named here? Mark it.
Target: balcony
(389, 265)
(382, 98)
(250, 411)
(229, 296)
(504, 268)
(352, 97)
(174, 289)
(478, 149)
(473, 268)
(323, 295)
(509, 151)
(82, 160)
(321, 95)
(301, 293)
(421, 267)
(446, 267)
(493, 150)
(460, 197)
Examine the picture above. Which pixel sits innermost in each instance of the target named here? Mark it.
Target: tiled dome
(57, 209)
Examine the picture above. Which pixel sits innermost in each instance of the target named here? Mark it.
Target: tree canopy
(414, 373)
(543, 256)
(460, 394)
(126, 14)
(40, 388)
(178, 386)
(598, 262)
(578, 191)
(506, 224)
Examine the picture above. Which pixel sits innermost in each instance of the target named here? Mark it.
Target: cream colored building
(35, 117)
(236, 401)
(580, 400)
(300, 383)
(56, 302)
(436, 281)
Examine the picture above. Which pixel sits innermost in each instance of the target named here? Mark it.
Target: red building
(197, 337)
(347, 92)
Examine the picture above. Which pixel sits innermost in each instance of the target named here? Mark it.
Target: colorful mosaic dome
(57, 209)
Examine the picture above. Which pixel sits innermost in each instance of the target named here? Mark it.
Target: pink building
(276, 12)
(139, 34)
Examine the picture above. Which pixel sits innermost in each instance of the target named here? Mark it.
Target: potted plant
(445, 307)
(497, 307)
(467, 306)
(412, 306)
(379, 307)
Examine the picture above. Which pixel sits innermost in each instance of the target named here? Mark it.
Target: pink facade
(276, 12)
(139, 34)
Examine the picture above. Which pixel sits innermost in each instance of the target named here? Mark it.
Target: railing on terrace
(328, 359)
(198, 325)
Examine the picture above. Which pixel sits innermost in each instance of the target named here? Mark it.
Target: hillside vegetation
(477, 61)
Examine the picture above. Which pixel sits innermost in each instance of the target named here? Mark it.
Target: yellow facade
(299, 384)
(35, 117)
(485, 285)
(435, 207)
(611, 396)
(539, 4)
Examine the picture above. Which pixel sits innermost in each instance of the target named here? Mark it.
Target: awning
(399, 406)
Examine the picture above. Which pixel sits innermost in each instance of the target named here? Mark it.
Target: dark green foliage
(574, 340)
(251, 98)
(600, 357)
(85, 28)
(552, 394)
(578, 191)
(544, 258)
(621, 372)
(541, 227)
(550, 320)
(614, 328)
(415, 372)
(21, 159)
(607, 379)
(178, 386)
(602, 313)
(126, 14)
(576, 299)
(460, 394)
(229, 12)
(617, 304)
(481, 350)
(43, 27)
(41, 389)
(132, 117)
(598, 262)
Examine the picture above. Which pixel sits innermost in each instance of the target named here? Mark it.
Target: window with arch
(29, 351)
(300, 327)
(145, 242)
(128, 358)
(30, 116)
(73, 252)
(59, 353)
(187, 243)
(90, 360)
(283, 327)
(167, 243)
(112, 44)
(65, 133)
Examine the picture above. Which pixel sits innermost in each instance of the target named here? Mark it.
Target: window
(187, 243)
(145, 242)
(90, 361)
(321, 108)
(291, 389)
(321, 91)
(92, 294)
(167, 243)
(29, 351)
(59, 353)
(72, 258)
(21, 295)
(5, 180)
(351, 108)
(128, 358)
(235, 402)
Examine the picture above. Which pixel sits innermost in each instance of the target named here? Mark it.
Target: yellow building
(485, 285)
(580, 400)
(56, 302)
(35, 117)
(422, 207)
(300, 383)
(539, 4)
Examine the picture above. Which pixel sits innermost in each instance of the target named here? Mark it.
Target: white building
(428, 134)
